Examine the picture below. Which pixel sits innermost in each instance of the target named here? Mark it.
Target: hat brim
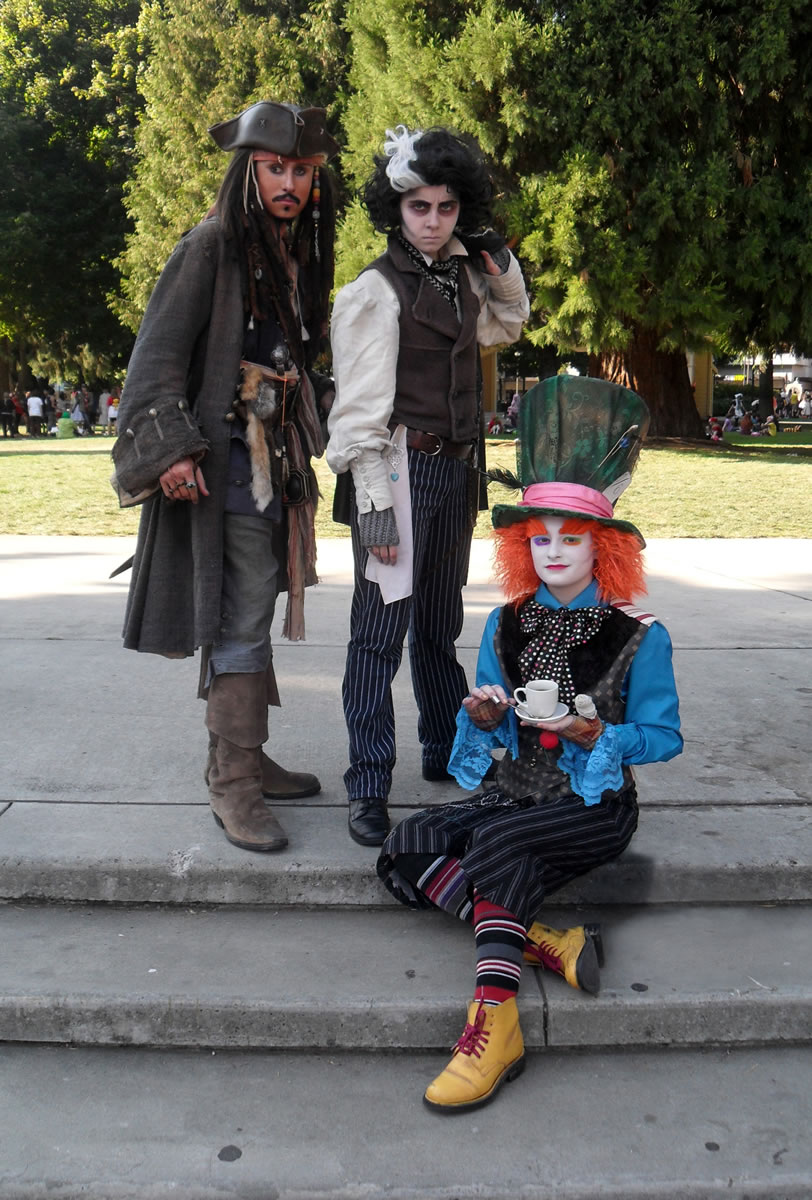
(284, 129)
(511, 514)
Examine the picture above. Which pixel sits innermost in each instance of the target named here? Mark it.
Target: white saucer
(560, 710)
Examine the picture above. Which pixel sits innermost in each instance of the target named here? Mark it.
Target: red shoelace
(546, 955)
(473, 1037)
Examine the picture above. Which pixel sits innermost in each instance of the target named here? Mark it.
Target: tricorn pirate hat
(579, 440)
(284, 129)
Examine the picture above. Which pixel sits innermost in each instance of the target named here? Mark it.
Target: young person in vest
(563, 800)
(217, 425)
(405, 427)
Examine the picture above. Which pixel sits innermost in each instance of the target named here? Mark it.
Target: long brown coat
(178, 401)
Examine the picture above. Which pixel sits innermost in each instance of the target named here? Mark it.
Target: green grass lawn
(784, 440)
(50, 487)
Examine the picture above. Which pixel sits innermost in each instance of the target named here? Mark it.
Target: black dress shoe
(368, 821)
(437, 775)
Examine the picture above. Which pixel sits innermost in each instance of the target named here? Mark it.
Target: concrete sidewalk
(132, 931)
(85, 721)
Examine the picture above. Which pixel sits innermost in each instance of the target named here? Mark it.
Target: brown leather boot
(237, 718)
(277, 783)
(236, 799)
(233, 705)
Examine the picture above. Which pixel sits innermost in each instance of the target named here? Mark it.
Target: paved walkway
(83, 720)
(688, 1078)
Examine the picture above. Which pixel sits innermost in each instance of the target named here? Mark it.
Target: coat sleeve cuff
(152, 440)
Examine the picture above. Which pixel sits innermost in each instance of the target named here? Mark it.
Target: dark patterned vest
(598, 668)
(436, 386)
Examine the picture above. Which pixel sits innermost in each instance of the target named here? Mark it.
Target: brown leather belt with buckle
(432, 444)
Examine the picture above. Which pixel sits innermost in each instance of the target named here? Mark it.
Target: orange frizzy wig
(618, 558)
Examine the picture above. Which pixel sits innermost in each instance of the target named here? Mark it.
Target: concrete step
(391, 979)
(174, 854)
(644, 1125)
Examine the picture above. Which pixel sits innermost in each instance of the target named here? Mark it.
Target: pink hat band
(571, 497)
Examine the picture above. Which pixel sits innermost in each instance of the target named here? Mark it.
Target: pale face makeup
(284, 186)
(428, 216)
(563, 561)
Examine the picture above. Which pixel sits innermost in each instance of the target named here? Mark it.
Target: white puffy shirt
(365, 335)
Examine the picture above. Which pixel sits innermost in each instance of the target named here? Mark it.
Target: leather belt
(432, 444)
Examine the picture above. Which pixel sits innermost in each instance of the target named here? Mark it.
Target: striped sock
(441, 879)
(445, 884)
(500, 939)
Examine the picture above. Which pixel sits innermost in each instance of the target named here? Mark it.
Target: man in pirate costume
(405, 433)
(563, 800)
(219, 419)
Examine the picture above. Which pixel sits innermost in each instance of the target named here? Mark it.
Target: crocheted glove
(378, 528)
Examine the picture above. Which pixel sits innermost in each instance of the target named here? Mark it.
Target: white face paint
(563, 561)
(428, 216)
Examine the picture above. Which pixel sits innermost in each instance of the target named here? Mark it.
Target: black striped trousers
(512, 853)
(432, 615)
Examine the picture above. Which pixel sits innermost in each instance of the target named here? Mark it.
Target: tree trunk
(25, 380)
(660, 377)
(765, 389)
(6, 356)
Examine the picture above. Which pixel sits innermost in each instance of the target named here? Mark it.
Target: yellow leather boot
(489, 1053)
(573, 953)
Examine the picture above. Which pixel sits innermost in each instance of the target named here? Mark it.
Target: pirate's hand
(486, 706)
(183, 481)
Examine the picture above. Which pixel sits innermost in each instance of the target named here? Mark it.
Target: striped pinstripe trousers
(432, 616)
(514, 853)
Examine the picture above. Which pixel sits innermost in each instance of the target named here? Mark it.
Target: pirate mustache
(287, 198)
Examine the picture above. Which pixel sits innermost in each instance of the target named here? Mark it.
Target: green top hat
(579, 441)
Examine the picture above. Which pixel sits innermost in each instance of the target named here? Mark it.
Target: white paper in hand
(396, 582)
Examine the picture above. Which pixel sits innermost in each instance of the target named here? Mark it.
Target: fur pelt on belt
(259, 398)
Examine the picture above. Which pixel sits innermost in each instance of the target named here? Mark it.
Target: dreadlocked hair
(618, 567)
(316, 272)
(255, 232)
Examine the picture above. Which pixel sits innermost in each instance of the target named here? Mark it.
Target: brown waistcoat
(438, 354)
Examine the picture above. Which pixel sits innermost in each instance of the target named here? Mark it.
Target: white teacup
(539, 698)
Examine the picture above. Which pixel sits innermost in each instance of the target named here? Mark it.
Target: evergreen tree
(765, 78)
(632, 169)
(67, 105)
(208, 59)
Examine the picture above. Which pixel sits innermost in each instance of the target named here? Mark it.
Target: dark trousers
(513, 854)
(432, 616)
(250, 588)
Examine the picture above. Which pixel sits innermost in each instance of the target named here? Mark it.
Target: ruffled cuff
(471, 752)
(592, 772)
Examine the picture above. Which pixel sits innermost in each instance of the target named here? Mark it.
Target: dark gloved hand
(492, 242)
